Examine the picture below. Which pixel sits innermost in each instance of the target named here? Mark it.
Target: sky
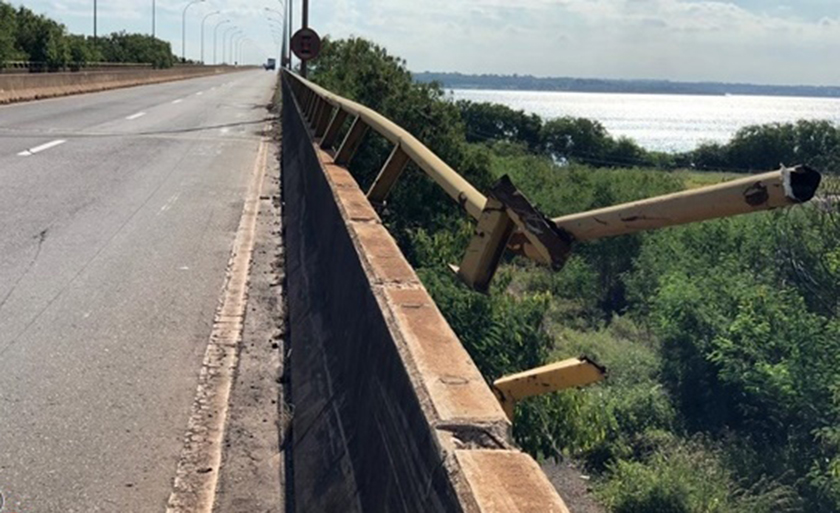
(136, 16)
(758, 41)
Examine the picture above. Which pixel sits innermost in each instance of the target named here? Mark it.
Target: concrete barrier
(389, 411)
(34, 86)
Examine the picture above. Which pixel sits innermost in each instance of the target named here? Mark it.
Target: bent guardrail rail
(507, 220)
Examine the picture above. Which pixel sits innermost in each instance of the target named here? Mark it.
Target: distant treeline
(26, 36)
(595, 85)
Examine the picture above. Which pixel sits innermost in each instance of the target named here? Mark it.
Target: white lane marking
(179, 100)
(135, 116)
(169, 203)
(36, 149)
(199, 93)
(224, 130)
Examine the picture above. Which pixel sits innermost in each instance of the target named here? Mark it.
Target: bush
(767, 147)
(687, 478)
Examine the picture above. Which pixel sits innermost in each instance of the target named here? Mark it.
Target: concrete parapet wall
(34, 86)
(389, 411)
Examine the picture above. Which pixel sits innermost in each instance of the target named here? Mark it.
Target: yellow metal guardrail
(507, 221)
(328, 112)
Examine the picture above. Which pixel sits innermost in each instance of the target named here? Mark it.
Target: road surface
(117, 215)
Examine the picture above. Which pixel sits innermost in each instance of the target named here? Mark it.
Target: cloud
(679, 39)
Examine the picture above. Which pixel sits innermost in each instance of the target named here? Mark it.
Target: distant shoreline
(590, 85)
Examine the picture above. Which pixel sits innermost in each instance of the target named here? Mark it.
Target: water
(664, 122)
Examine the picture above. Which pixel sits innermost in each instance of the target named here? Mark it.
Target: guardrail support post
(388, 176)
(486, 247)
(351, 142)
(310, 107)
(333, 129)
(319, 107)
(323, 119)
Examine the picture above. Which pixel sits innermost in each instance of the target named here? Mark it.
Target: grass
(696, 179)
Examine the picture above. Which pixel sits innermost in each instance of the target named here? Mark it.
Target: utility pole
(94, 23)
(153, 19)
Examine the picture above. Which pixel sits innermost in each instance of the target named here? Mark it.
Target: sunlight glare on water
(671, 123)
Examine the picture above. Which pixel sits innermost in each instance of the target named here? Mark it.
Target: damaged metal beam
(574, 372)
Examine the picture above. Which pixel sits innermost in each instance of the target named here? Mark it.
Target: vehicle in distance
(271, 64)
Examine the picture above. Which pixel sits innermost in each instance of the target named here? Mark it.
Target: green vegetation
(26, 36)
(722, 338)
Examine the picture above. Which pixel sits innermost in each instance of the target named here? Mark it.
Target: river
(662, 122)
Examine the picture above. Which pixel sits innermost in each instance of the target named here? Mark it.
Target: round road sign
(306, 44)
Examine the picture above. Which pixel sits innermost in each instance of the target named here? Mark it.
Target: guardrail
(507, 220)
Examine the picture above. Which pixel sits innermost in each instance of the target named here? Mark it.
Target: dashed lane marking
(37, 149)
(135, 116)
(179, 100)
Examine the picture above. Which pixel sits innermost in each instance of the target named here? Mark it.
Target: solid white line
(36, 149)
(135, 116)
(178, 100)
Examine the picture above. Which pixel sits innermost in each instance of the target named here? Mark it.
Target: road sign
(306, 44)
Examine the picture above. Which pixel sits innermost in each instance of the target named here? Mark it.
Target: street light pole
(241, 46)
(233, 38)
(153, 19)
(202, 32)
(216, 46)
(94, 23)
(184, 30)
(225, 34)
(279, 33)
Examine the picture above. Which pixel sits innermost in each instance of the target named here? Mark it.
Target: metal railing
(506, 219)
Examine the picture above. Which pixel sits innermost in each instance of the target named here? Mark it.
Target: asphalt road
(113, 249)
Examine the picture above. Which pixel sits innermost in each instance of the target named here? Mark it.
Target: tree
(8, 30)
(493, 121)
(580, 138)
